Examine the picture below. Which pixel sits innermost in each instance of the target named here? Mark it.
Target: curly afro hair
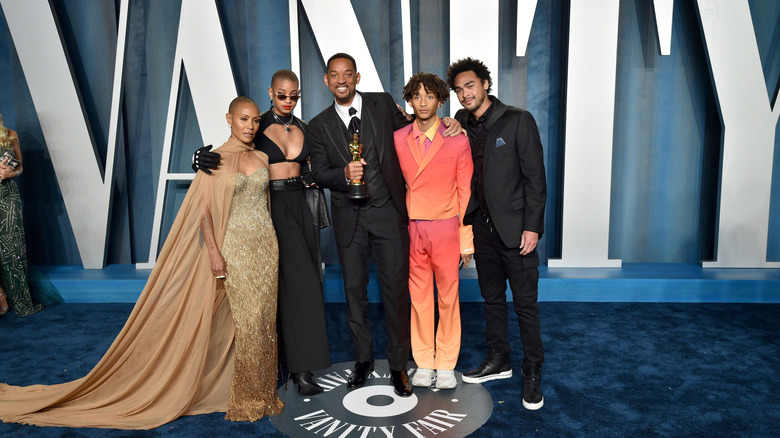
(468, 64)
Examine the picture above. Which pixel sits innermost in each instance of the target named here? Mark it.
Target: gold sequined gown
(252, 258)
(182, 350)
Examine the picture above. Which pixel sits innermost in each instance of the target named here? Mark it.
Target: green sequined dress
(13, 249)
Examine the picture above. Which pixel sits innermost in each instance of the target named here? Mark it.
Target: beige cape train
(174, 355)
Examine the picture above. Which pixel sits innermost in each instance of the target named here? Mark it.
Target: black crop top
(275, 154)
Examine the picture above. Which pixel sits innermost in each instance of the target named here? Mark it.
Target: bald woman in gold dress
(202, 335)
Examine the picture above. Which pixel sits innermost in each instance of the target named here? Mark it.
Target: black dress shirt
(478, 134)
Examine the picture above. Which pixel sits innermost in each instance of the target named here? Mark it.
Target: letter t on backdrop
(590, 115)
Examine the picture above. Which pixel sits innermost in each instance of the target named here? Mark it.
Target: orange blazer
(438, 184)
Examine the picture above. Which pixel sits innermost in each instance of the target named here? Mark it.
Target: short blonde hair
(5, 138)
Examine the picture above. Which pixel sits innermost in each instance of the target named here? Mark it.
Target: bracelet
(17, 172)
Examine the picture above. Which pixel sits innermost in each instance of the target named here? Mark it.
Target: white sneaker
(445, 379)
(423, 377)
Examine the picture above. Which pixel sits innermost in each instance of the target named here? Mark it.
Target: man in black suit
(506, 209)
(378, 223)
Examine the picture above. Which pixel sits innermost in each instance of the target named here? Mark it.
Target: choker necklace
(286, 125)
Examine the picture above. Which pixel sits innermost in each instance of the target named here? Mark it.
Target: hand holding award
(357, 188)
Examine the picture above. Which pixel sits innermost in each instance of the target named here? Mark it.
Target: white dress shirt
(343, 111)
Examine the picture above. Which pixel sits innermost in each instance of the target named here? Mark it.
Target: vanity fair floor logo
(376, 411)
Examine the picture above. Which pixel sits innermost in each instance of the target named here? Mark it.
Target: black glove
(204, 160)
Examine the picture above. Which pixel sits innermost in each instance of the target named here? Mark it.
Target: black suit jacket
(513, 172)
(329, 155)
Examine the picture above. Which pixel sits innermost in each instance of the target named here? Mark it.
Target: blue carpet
(612, 369)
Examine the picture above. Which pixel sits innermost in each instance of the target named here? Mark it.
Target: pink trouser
(434, 250)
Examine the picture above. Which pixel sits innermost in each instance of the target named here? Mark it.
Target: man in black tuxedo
(378, 223)
(506, 210)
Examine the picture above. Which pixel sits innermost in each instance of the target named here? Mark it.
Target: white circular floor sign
(374, 410)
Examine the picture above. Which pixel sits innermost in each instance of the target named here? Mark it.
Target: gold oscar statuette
(357, 188)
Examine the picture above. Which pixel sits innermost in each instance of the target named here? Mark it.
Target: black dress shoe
(401, 384)
(495, 366)
(360, 373)
(306, 384)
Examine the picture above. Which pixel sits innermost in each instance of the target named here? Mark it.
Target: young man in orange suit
(437, 171)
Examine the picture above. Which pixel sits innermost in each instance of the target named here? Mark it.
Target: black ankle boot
(495, 366)
(532, 390)
(306, 384)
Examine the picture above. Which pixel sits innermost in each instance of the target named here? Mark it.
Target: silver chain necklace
(286, 125)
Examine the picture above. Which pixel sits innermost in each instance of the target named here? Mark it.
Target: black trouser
(303, 336)
(495, 264)
(383, 231)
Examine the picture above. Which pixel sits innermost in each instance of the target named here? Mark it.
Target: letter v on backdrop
(85, 185)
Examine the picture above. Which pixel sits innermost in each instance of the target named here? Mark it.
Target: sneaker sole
(503, 375)
(447, 386)
(533, 406)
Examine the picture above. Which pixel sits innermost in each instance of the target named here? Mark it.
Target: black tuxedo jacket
(513, 172)
(328, 140)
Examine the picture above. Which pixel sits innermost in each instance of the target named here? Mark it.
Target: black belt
(295, 183)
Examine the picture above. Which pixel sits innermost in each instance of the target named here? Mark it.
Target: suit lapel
(411, 142)
(368, 127)
(490, 142)
(334, 129)
(436, 144)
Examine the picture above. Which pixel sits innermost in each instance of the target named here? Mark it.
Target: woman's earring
(229, 125)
